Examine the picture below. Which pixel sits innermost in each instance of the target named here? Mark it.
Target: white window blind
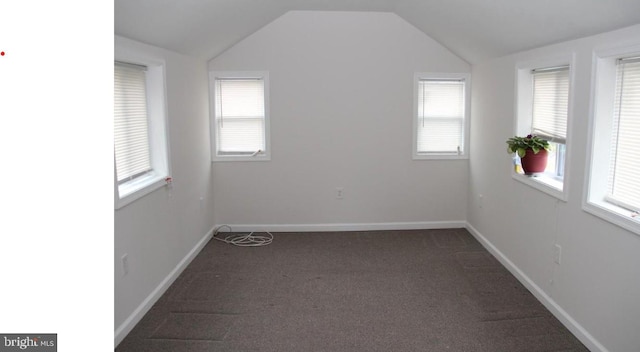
(440, 125)
(624, 171)
(550, 103)
(240, 116)
(131, 135)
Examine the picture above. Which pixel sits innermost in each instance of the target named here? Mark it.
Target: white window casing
(441, 115)
(612, 186)
(141, 160)
(240, 116)
(543, 107)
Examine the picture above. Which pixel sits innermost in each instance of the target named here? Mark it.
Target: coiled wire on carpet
(243, 239)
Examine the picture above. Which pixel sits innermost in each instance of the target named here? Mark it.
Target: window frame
(464, 77)
(601, 115)
(264, 155)
(158, 128)
(552, 185)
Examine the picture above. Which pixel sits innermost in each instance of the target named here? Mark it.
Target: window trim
(466, 77)
(523, 115)
(158, 129)
(603, 78)
(266, 154)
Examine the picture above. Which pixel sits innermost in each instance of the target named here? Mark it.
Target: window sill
(135, 189)
(614, 214)
(543, 183)
(223, 158)
(439, 157)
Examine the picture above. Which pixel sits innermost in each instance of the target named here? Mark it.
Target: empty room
(309, 175)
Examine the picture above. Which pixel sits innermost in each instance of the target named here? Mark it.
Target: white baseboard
(125, 328)
(576, 329)
(381, 226)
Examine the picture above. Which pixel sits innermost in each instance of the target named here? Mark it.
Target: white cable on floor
(243, 239)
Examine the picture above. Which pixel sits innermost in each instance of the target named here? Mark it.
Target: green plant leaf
(521, 144)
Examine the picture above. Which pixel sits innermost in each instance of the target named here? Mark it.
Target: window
(613, 188)
(624, 183)
(141, 163)
(441, 115)
(131, 136)
(240, 123)
(543, 109)
(549, 120)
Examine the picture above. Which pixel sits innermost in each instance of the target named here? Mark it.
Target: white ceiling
(475, 30)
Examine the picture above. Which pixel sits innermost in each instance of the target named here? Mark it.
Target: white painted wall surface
(598, 281)
(160, 229)
(341, 116)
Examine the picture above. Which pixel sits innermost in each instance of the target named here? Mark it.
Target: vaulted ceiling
(475, 30)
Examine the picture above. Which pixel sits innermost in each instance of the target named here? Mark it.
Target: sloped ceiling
(475, 30)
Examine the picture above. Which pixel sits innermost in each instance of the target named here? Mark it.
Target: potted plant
(532, 151)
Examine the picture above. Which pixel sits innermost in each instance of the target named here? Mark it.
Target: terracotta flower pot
(534, 163)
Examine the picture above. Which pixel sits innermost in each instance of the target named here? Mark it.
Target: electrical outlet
(480, 200)
(125, 264)
(339, 193)
(557, 254)
(201, 202)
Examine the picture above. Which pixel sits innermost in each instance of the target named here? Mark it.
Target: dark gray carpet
(422, 290)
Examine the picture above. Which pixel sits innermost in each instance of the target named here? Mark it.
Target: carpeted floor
(422, 290)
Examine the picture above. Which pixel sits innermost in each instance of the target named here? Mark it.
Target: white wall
(159, 230)
(341, 110)
(598, 281)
